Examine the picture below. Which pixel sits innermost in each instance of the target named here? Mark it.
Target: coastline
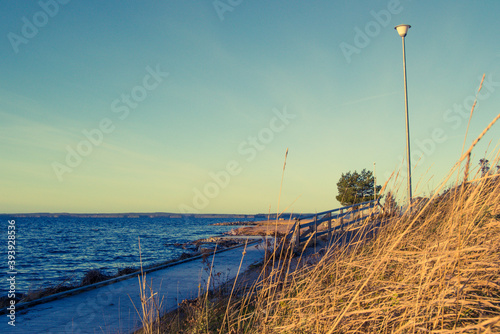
(111, 306)
(240, 234)
(244, 231)
(62, 250)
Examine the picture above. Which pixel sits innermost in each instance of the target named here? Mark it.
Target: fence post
(330, 228)
(342, 220)
(315, 231)
(297, 234)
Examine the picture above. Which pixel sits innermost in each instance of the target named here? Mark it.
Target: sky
(191, 106)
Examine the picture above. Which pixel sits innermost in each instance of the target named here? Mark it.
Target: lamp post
(402, 30)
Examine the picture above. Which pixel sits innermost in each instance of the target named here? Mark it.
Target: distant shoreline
(128, 215)
(259, 216)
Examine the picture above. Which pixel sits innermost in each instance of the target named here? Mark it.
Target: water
(50, 251)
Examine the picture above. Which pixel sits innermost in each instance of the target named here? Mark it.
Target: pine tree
(356, 187)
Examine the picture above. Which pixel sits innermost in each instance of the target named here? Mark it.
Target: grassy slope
(436, 270)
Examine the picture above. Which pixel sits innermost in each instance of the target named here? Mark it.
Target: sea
(59, 250)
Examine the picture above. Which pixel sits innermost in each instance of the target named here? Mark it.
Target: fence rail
(344, 217)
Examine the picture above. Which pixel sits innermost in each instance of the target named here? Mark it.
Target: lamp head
(402, 29)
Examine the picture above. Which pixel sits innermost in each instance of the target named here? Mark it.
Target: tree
(356, 187)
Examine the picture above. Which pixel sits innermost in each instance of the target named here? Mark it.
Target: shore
(264, 228)
(239, 235)
(113, 308)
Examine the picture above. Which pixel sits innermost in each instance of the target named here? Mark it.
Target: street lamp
(402, 30)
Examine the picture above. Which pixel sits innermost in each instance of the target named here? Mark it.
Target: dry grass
(151, 304)
(434, 270)
(437, 271)
(94, 276)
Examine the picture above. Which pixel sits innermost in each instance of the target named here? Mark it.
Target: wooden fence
(336, 219)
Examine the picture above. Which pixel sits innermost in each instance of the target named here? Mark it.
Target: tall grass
(436, 270)
(433, 269)
(151, 304)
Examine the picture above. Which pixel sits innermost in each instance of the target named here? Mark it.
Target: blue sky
(190, 106)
